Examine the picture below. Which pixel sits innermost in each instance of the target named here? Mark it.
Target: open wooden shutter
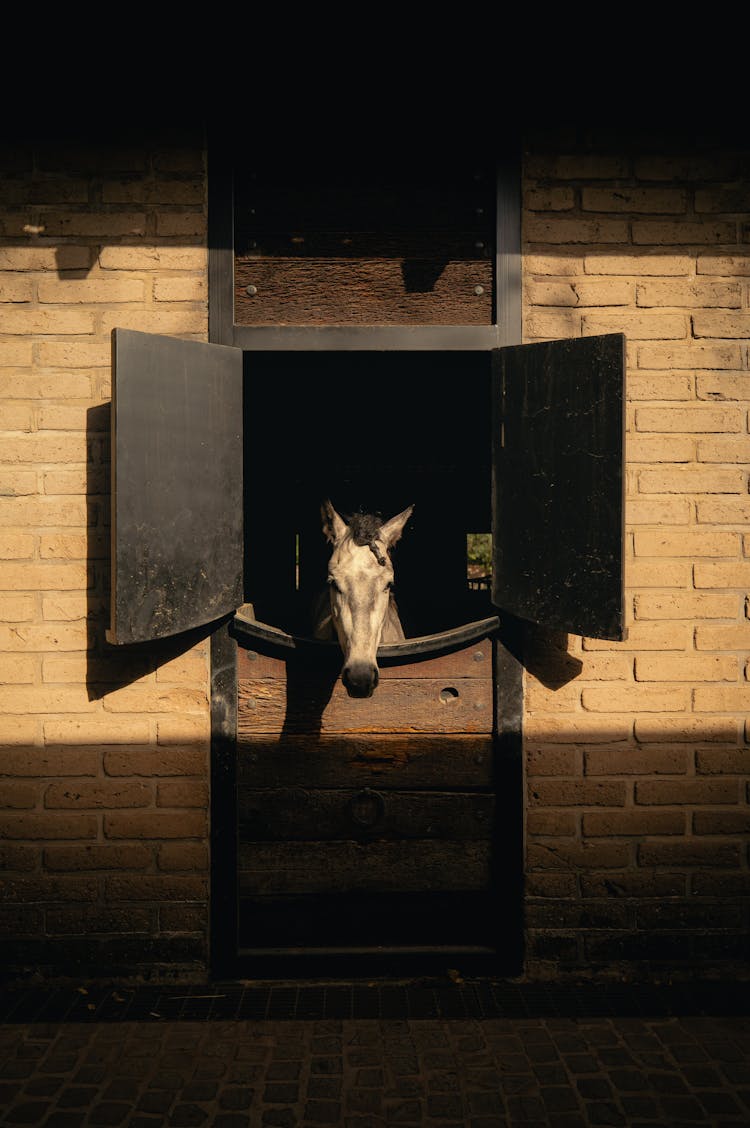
(558, 483)
(177, 541)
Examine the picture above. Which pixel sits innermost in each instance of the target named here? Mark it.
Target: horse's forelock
(364, 529)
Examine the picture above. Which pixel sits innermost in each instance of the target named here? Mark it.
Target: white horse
(359, 607)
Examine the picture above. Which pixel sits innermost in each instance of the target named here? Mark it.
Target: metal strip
(251, 632)
(325, 338)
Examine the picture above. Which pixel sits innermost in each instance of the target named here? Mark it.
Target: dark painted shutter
(558, 483)
(176, 484)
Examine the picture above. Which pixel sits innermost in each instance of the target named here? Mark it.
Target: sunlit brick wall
(104, 757)
(637, 763)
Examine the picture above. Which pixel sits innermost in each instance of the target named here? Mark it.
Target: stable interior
(374, 431)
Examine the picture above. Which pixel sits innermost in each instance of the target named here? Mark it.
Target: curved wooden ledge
(250, 632)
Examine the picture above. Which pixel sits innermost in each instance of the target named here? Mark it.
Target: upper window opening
(364, 244)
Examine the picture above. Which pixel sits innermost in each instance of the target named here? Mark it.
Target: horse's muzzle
(360, 679)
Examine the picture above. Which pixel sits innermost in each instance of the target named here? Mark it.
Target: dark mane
(364, 528)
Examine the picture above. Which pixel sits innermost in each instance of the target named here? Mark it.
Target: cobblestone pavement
(554, 1072)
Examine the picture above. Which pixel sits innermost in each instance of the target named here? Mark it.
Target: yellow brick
(690, 355)
(691, 544)
(730, 574)
(65, 606)
(46, 321)
(143, 698)
(44, 448)
(658, 574)
(28, 700)
(16, 417)
(575, 166)
(153, 258)
(64, 546)
(541, 699)
(33, 637)
(687, 729)
(691, 479)
(683, 232)
(15, 483)
(89, 729)
(652, 201)
(700, 418)
(687, 668)
(655, 264)
(42, 577)
(181, 223)
(637, 326)
(16, 288)
(45, 511)
(685, 605)
(188, 730)
(727, 266)
(724, 636)
(638, 698)
(18, 669)
(606, 667)
(67, 257)
(168, 321)
(659, 386)
(173, 289)
(99, 289)
(723, 386)
(549, 199)
(15, 731)
(73, 354)
(17, 608)
(16, 546)
(593, 292)
(581, 728)
(55, 386)
(15, 353)
(88, 222)
(690, 295)
(552, 325)
(552, 229)
(723, 198)
(66, 482)
(190, 668)
(722, 698)
(707, 165)
(648, 636)
(718, 325)
(660, 448)
(63, 417)
(724, 450)
(658, 511)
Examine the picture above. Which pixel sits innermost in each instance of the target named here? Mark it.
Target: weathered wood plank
(319, 291)
(427, 705)
(296, 814)
(424, 762)
(421, 866)
(472, 662)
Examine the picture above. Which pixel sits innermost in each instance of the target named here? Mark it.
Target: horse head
(361, 606)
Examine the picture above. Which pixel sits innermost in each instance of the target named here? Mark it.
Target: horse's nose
(360, 679)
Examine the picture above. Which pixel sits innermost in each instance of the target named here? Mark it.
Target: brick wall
(636, 753)
(103, 764)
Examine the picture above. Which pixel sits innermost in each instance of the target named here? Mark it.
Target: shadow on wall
(111, 667)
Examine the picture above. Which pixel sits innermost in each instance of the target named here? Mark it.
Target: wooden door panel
(383, 761)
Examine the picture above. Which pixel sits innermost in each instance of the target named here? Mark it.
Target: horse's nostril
(360, 680)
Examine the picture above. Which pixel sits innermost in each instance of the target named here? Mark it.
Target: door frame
(226, 959)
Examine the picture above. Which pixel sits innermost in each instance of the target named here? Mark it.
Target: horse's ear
(391, 531)
(334, 526)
